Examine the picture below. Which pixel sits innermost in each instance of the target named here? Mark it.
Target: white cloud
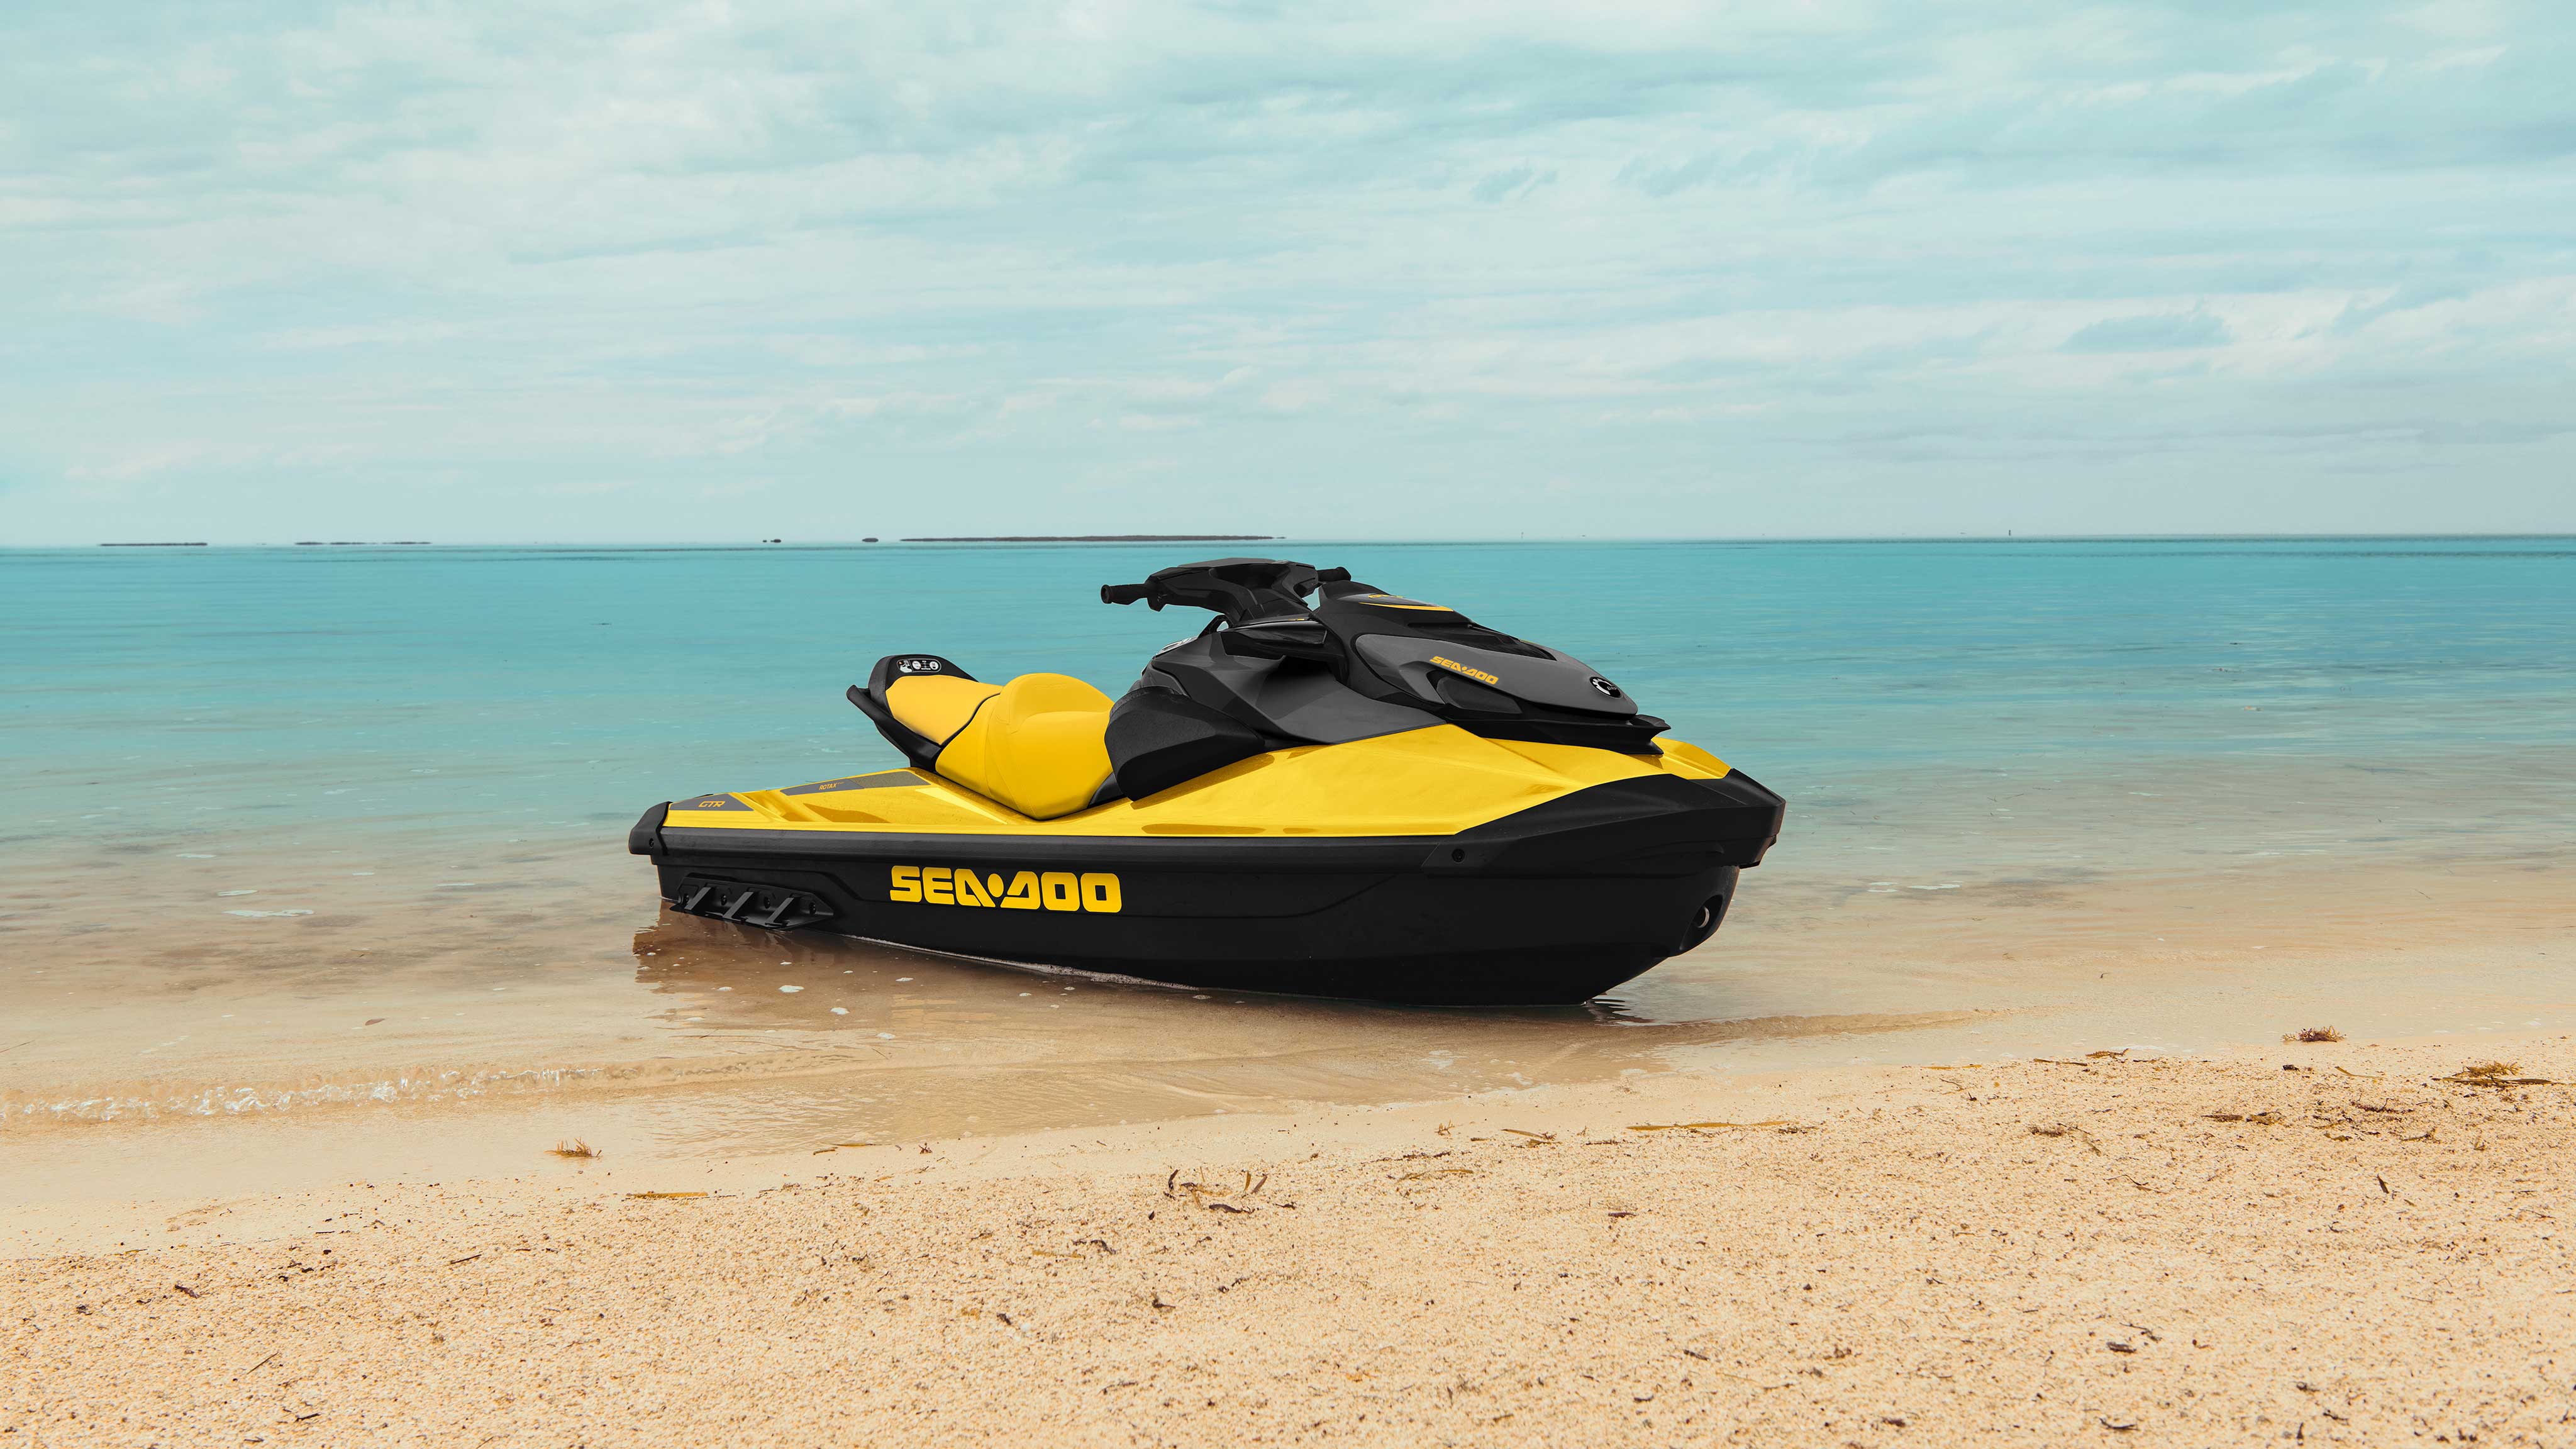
(880, 259)
(2152, 332)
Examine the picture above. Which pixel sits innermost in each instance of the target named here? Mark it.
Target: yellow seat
(1035, 744)
(936, 706)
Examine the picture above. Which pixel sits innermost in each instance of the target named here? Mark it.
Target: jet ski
(1331, 790)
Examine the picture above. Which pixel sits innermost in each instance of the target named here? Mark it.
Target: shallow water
(317, 863)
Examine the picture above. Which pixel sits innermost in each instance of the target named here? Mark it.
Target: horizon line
(1096, 541)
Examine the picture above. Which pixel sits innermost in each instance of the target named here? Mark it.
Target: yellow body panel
(1697, 758)
(1432, 781)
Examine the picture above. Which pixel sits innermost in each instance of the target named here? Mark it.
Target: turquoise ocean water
(264, 799)
(446, 693)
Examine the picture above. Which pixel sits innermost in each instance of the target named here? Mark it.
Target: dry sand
(2103, 1250)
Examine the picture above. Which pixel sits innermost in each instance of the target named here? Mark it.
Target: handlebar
(1241, 589)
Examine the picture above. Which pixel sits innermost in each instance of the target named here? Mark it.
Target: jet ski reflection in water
(1331, 791)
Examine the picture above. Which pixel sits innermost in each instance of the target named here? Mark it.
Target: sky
(274, 270)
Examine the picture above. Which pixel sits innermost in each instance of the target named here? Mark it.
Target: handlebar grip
(1124, 593)
(1332, 576)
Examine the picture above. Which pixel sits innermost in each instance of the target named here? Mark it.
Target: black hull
(1403, 938)
(1551, 906)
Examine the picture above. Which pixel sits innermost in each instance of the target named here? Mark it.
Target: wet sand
(401, 1041)
(2341, 1243)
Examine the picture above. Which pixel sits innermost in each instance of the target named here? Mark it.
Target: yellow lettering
(1057, 890)
(1062, 891)
(1100, 893)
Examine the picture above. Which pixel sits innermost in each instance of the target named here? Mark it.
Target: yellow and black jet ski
(1330, 791)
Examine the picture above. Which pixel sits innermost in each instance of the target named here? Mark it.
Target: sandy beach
(2341, 1242)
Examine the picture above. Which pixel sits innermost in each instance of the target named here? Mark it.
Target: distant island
(1108, 538)
(152, 545)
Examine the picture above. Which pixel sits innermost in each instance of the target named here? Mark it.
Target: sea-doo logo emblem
(1608, 690)
(1471, 673)
(1056, 890)
(916, 666)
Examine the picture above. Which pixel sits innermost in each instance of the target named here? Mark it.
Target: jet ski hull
(1553, 904)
